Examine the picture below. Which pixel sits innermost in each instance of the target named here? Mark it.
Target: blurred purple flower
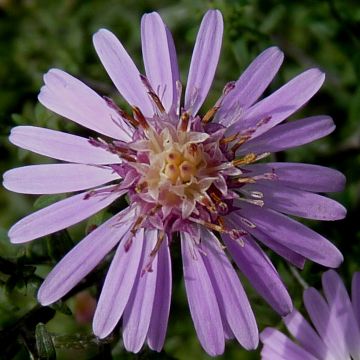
(183, 173)
(336, 321)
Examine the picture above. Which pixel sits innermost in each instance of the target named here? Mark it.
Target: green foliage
(38, 35)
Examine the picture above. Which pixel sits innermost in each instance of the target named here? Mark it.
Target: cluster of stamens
(181, 169)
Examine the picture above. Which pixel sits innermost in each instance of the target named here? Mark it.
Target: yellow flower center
(183, 165)
(176, 173)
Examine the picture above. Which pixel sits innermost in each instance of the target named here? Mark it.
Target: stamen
(120, 112)
(247, 222)
(214, 227)
(229, 139)
(113, 148)
(262, 156)
(253, 201)
(218, 201)
(237, 236)
(148, 266)
(268, 176)
(221, 222)
(252, 179)
(141, 187)
(158, 243)
(211, 113)
(127, 157)
(184, 121)
(208, 204)
(128, 243)
(152, 93)
(140, 118)
(243, 139)
(137, 224)
(101, 143)
(256, 194)
(247, 159)
(246, 180)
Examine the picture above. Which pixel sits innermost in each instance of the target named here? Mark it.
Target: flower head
(335, 333)
(184, 173)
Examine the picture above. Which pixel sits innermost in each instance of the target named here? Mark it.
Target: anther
(137, 225)
(152, 93)
(215, 227)
(204, 201)
(141, 186)
(140, 118)
(218, 201)
(247, 159)
(211, 113)
(257, 194)
(184, 121)
(154, 251)
(246, 180)
(159, 241)
(243, 139)
(120, 112)
(236, 234)
(229, 139)
(247, 222)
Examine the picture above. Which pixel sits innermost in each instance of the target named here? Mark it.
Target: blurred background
(38, 35)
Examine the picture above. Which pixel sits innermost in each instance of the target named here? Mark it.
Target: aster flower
(335, 334)
(183, 173)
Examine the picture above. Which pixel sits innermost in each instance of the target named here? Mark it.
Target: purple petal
(355, 296)
(306, 335)
(268, 353)
(342, 311)
(83, 258)
(325, 323)
(159, 58)
(60, 215)
(61, 146)
(278, 228)
(282, 103)
(161, 309)
(257, 267)
(290, 135)
(204, 60)
(302, 176)
(137, 313)
(251, 84)
(203, 305)
(289, 255)
(122, 70)
(298, 202)
(282, 346)
(57, 178)
(69, 97)
(118, 285)
(229, 293)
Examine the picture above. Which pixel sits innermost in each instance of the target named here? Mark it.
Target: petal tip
(43, 296)
(100, 34)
